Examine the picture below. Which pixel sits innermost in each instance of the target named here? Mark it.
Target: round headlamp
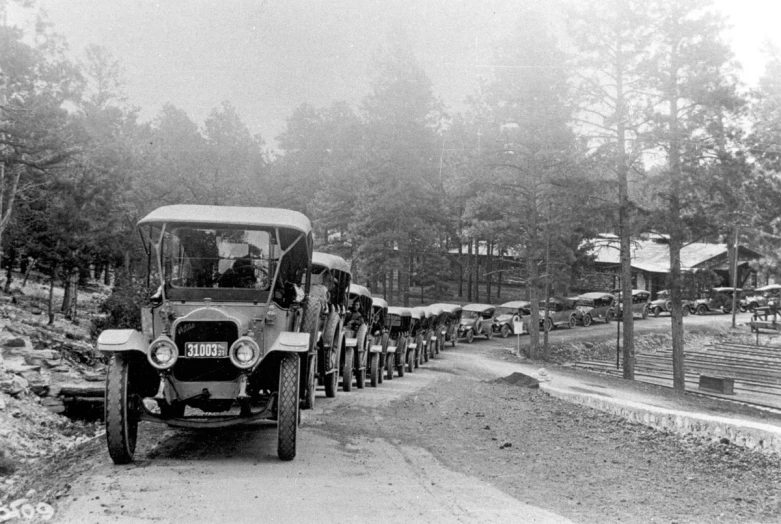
(244, 353)
(162, 353)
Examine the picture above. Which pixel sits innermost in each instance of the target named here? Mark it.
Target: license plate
(206, 349)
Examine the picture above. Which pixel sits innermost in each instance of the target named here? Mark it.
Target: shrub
(121, 310)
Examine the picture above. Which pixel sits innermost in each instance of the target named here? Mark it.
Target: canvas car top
(330, 261)
(361, 291)
(770, 287)
(435, 309)
(400, 311)
(594, 295)
(450, 308)
(478, 307)
(418, 312)
(379, 302)
(228, 215)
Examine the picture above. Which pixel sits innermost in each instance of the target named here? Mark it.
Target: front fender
(122, 340)
(290, 341)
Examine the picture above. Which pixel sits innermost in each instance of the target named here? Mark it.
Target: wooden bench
(723, 385)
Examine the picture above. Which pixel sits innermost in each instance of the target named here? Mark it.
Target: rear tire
(333, 334)
(400, 352)
(374, 369)
(411, 361)
(686, 311)
(645, 313)
(657, 311)
(360, 377)
(120, 415)
(390, 363)
(547, 325)
(287, 407)
(309, 397)
(309, 325)
(347, 370)
(609, 316)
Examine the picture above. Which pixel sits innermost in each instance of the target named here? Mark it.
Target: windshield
(469, 315)
(506, 311)
(210, 258)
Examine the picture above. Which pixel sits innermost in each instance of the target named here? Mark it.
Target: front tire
(572, 321)
(411, 361)
(374, 369)
(470, 336)
(120, 415)
(287, 407)
(360, 377)
(390, 363)
(347, 370)
(309, 325)
(701, 309)
(331, 354)
(505, 331)
(645, 313)
(586, 320)
(401, 350)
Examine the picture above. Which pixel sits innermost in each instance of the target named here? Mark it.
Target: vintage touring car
(230, 333)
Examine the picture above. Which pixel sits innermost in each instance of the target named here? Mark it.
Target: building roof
(654, 257)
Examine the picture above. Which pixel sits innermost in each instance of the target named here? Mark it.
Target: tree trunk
(51, 295)
(9, 276)
(460, 269)
(69, 303)
(489, 269)
(30, 265)
(477, 270)
(676, 231)
(624, 225)
(499, 274)
(469, 273)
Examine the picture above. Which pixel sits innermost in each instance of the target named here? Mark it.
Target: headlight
(244, 353)
(271, 314)
(162, 353)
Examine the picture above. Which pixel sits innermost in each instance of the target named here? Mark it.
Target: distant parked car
(640, 298)
(561, 312)
(761, 296)
(476, 319)
(716, 299)
(663, 304)
(597, 306)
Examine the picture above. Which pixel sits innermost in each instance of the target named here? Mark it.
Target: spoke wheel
(586, 320)
(657, 311)
(470, 336)
(347, 370)
(400, 351)
(411, 361)
(572, 321)
(333, 336)
(120, 414)
(360, 377)
(505, 331)
(287, 407)
(309, 325)
(390, 363)
(374, 369)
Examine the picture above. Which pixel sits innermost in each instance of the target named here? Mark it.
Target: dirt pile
(38, 362)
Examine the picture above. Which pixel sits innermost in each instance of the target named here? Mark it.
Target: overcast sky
(269, 56)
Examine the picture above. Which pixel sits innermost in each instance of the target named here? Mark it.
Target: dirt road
(448, 443)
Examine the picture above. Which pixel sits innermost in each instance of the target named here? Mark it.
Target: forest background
(617, 116)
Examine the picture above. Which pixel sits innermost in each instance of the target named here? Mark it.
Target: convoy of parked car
(244, 320)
